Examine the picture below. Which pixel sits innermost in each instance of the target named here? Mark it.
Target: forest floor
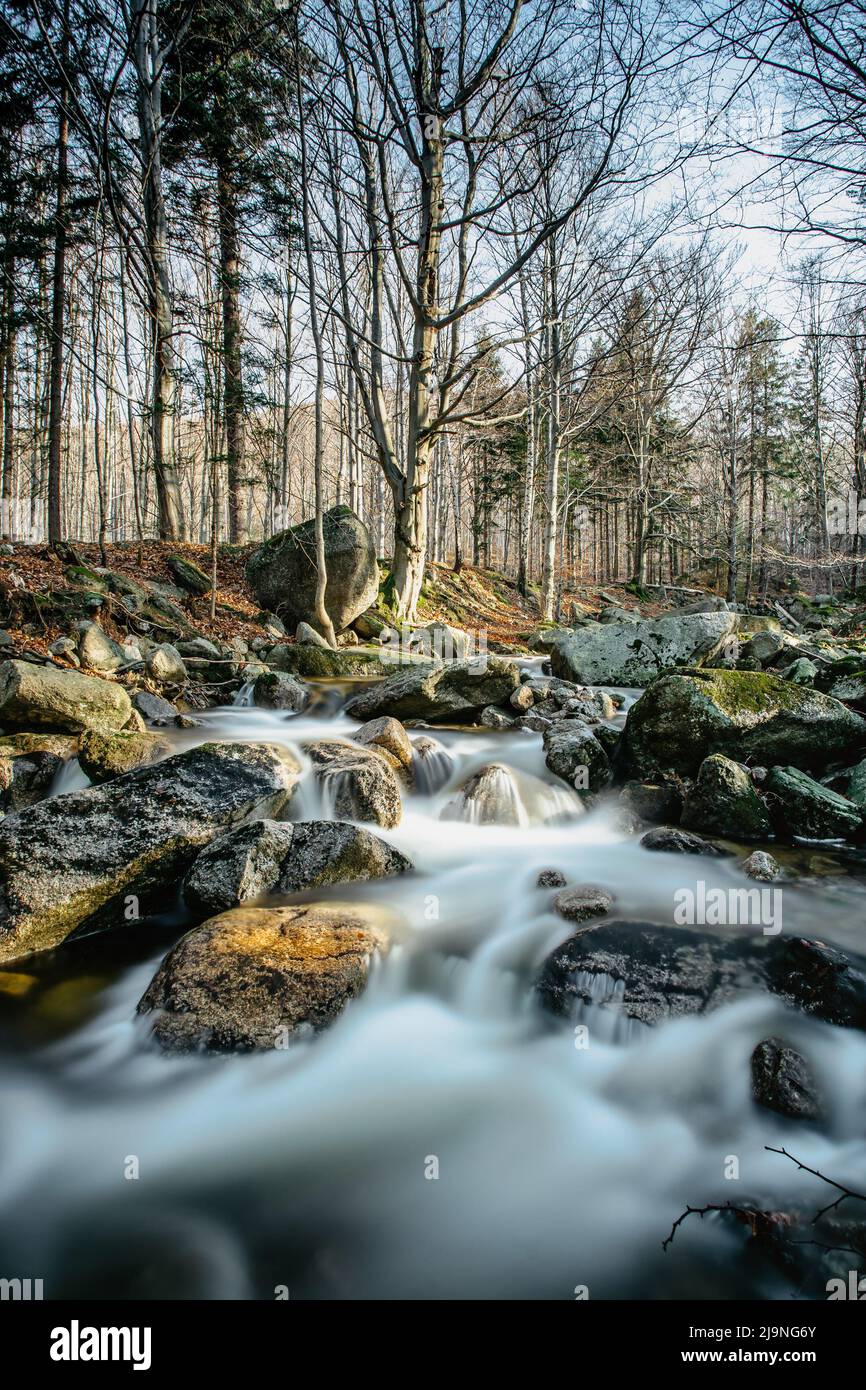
(475, 599)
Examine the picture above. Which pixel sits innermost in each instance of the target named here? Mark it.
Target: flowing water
(445, 1138)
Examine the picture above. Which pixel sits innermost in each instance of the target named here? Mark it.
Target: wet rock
(27, 778)
(762, 867)
(165, 663)
(356, 784)
(319, 663)
(583, 902)
(253, 978)
(805, 808)
(551, 878)
(572, 752)
(856, 788)
(723, 801)
(522, 698)
(455, 693)
(45, 697)
(635, 653)
(75, 863)
(783, 1083)
(283, 573)
(388, 735)
(819, 980)
(188, 575)
(103, 756)
(671, 840)
(278, 690)
(270, 856)
(432, 765)
(489, 797)
(681, 719)
(649, 973)
(653, 801)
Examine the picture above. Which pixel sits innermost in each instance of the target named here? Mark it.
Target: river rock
(165, 663)
(320, 663)
(572, 752)
(583, 902)
(153, 708)
(653, 801)
(492, 717)
(762, 867)
(26, 778)
(550, 878)
(782, 1082)
(649, 973)
(683, 718)
(635, 653)
(253, 978)
(307, 636)
(356, 784)
(819, 980)
(278, 690)
(46, 697)
(805, 808)
(723, 801)
(669, 839)
(74, 863)
(283, 575)
(489, 797)
(386, 735)
(441, 642)
(454, 693)
(103, 756)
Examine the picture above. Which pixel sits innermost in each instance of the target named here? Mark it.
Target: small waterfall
(432, 765)
(243, 698)
(490, 797)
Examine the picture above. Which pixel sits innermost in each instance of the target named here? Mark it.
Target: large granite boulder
(94, 859)
(283, 575)
(46, 697)
(634, 653)
(455, 693)
(750, 716)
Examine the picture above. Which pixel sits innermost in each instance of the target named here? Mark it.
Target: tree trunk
(233, 392)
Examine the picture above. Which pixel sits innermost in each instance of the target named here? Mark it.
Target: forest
(575, 294)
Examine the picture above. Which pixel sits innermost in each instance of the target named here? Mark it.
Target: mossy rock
(804, 808)
(723, 801)
(188, 575)
(103, 756)
(685, 716)
(317, 663)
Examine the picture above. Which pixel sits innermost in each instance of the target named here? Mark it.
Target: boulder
(253, 978)
(26, 778)
(441, 642)
(801, 672)
(572, 752)
(97, 651)
(653, 801)
(388, 736)
(165, 663)
(821, 981)
(550, 878)
(307, 636)
(103, 756)
(635, 653)
(319, 663)
(283, 575)
(669, 839)
(454, 693)
(188, 575)
(83, 862)
(356, 784)
(856, 788)
(278, 690)
(683, 718)
(807, 809)
(723, 801)
(153, 708)
(46, 697)
(492, 717)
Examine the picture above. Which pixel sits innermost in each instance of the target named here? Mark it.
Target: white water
(557, 1166)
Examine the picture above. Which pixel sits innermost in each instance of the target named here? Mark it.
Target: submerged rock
(723, 801)
(819, 980)
(94, 859)
(283, 573)
(551, 878)
(280, 857)
(683, 718)
(635, 653)
(671, 840)
(805, 808)
(453, 694)
(255, 977)
(783, 1083)
(432, 765)
(46, 697)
